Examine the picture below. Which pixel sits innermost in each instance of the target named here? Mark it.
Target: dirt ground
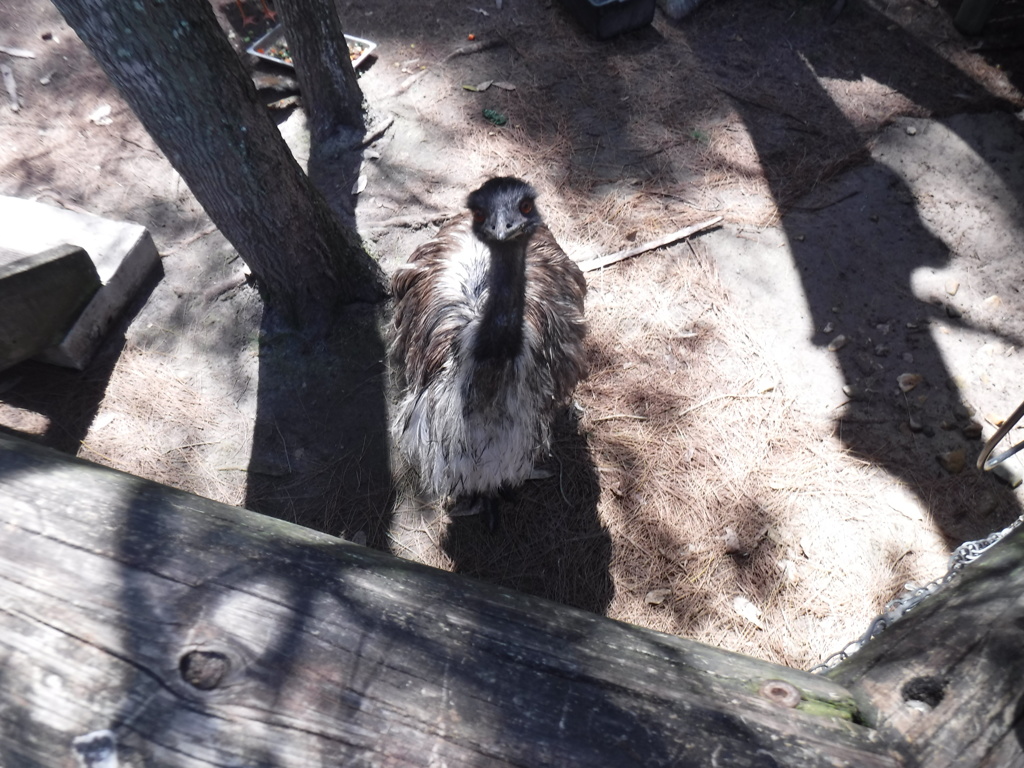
(741, 467)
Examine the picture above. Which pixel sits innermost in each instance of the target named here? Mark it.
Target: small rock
(829, 327)
(851, 391)
(837, 343)
(952, 286)
(911, 130)
(866, 364)
(992, 302)
(747, 610)
(907, 381)
(964, 411)
(732, 542)
(985, 503)
(101, 115)
(990, 350)
(788, 568)
(971, 430)
(882, 350)
(953, 461)
(915, 425)
(657, 596)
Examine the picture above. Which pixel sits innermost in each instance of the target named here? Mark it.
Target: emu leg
(486, 505)
(465, 506)
(490, 514)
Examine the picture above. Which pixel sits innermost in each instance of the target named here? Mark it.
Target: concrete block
(122, 253)
(41, 296)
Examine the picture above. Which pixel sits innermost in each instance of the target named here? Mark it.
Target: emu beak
(502, 229)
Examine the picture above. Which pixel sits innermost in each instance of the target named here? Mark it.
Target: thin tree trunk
(330, 88)
(185, 83)
(331, 97)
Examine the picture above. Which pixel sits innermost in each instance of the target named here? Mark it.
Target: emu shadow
(550, 541)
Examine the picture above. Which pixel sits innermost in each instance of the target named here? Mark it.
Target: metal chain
(896, 609)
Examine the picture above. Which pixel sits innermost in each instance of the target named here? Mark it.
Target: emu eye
(526, 207)
(478, 216)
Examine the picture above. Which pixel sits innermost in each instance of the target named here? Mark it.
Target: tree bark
(177, 71)
(330, 88)
(331, 97)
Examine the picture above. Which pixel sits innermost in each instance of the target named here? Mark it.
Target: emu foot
(484, 505)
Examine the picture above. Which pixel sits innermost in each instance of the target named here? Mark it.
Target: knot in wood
(204, 670)
(926, 690)
(782, 693)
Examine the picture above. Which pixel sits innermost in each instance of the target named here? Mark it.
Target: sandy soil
(725, 475)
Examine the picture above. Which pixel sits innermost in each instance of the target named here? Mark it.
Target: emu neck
(501, 328)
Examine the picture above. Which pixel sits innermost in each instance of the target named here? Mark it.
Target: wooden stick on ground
(19, 52)
(603, 261)
(411, 221)
(12, 88)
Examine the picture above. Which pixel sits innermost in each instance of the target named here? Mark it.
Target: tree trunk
(179, 74)
(330, 89)
(331, 97)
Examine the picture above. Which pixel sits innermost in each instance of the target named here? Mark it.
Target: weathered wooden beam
(945, 683)
(144, 626)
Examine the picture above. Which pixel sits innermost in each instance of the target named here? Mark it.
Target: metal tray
(272, 47)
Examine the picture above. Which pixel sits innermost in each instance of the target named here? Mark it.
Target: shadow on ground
(55, 406)
(320, 453)
(551, 542)
(857, 241)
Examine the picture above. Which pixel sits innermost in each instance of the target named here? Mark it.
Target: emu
(488, 343)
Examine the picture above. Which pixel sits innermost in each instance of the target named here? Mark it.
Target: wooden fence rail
(144, 626)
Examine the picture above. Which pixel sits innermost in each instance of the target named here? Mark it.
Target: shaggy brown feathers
(474, 416)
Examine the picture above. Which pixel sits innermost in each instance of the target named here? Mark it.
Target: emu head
(503, 210)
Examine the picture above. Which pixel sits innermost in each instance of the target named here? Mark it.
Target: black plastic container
(608, 18)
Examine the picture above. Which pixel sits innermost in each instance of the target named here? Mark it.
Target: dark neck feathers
(501, 328)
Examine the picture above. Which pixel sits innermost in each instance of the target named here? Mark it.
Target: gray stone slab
(41, 296)
(123, 254)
